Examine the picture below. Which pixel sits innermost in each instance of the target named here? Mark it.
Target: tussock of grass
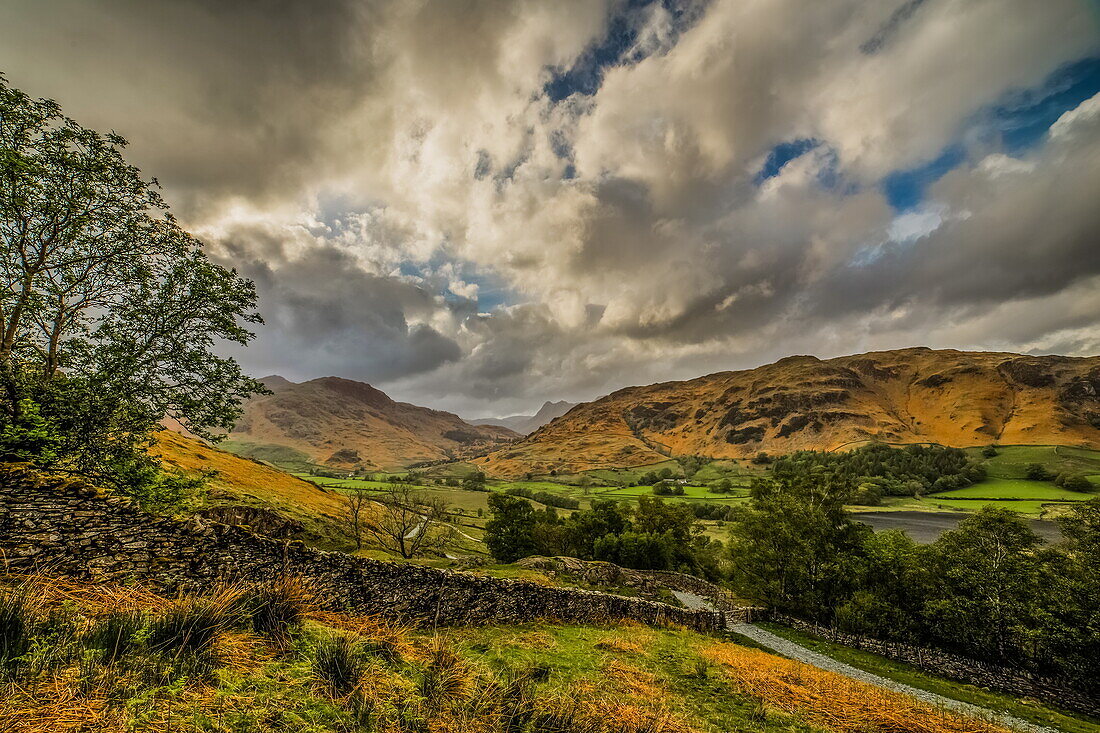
(277, 609)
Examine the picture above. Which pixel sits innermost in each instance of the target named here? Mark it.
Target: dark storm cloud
(216, 97)
(326, 315)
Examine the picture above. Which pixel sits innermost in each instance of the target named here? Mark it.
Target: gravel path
(802, 654)
(692, 601)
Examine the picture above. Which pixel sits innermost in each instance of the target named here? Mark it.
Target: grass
(1011, 460)
(285, 457)
(342, 672)
(1028, 710)
(1000, 488)
(237, 481)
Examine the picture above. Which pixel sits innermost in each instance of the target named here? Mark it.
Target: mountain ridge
(803, 402)
(350, 424)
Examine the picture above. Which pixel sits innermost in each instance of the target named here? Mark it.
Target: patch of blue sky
(828, 173)
(1017, 122)
(782, 154)
(586, 74)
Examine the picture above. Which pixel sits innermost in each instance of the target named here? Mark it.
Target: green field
(1012, 460)
(999, 488)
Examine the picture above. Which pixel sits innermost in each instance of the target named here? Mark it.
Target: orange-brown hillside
(801, 402)
(243, 478)
(353, 425)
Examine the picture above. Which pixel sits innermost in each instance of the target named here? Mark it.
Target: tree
(474, 482)
(990, 451)
(509, 535)
(109, 310)
(355, 505)
(1077, 482)
(721, 486)
(407, 523)
(793, 546)
(988, 579)
(1036, 472)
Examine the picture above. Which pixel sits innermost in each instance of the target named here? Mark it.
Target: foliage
(109, 310)
(793, 544)
(1036, 472)
(667, 488)
(878, 470)
(653, 535)
(989, 589)
(545, 497)
(509, 534)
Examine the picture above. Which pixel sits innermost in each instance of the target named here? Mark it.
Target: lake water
(925, 527)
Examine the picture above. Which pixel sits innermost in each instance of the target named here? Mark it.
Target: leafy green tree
(793, 547)
(1077, 482)
(581, 530)
(987, 579)
(1075, 637)
(1036, 472)
(893, 583)
(509, 534)
(109, 310)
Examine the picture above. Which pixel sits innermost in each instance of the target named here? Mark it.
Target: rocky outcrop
(68, 527)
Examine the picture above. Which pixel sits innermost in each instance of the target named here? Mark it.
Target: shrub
(1077, 483)
(340, 663)
(989, 451)
(1036, 472)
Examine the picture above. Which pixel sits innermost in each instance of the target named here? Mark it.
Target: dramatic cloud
(484, 205)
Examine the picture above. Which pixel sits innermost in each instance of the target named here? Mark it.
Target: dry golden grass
(385, 633)
(243, 476)
(831, 700)
(93, 599)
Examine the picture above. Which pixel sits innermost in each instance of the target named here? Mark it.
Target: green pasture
(1023, 507)
(1011, 461)
(999, 488)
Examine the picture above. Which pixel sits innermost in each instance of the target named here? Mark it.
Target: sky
(482, 205)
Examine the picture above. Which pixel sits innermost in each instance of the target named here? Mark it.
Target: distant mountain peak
(527, 424)
(274, 382)
(352, 424)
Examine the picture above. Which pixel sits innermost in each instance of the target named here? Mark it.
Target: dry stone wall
(68, 527)
(1058, 692)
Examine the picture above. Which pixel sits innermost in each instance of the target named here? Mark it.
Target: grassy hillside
(236, 481)
(110, 658)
